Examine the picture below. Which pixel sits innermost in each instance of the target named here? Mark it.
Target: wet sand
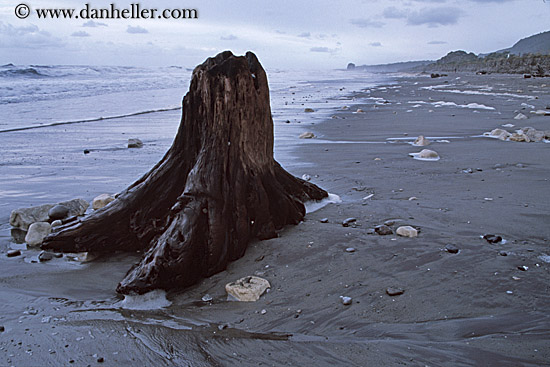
(459, 309)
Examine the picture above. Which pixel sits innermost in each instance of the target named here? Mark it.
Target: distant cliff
(497, 62)
(536, 44)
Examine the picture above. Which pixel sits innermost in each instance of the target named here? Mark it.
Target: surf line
(89, 120)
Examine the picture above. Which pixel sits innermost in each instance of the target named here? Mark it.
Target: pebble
(324, 220)
(346, 301)
(309, 109)
(13, 253)
(100, 360)
(348, 221)
(86, 151)
(491, 238)
(306, 177)
(307, 135)
(56, 223)
(45, 256)
(468, 170)
(371, 231)
(523, 268)
(450, 248)
(383, 230)
(394, 291)
(134, 143)
(407, 231)
(263, 312)
(391, 222)
(58, 212)
(58, 255)
(503, 253)
(2, 329)
(206, 298)
(413, 198)
(350, 249)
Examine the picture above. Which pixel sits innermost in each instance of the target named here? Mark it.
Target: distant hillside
(391, 68)
(537, 44)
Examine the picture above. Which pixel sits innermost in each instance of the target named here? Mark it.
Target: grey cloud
(26, 37)
(80, 34)
(437, 43)
(136, 30)
(93, 24)
(435, 16)
(375, 44)
(393, 13)
(305, 35)
(230, 37)
(367, 23)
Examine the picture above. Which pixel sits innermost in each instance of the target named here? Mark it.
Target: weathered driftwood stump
(217, 188)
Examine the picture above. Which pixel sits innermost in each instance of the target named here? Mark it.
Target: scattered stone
(206, 298)
(519, 137)
(541, 113)
(2, 329)
(503, 253)
(383, 230)
(407, 231)
(413, 198)
(533, 134)
(520, 165)
(134, 143)
(348, 221)
(57, 223)
(394, 291)
(86, 151)
(520, 116)
(101, 201)
(45, 256)
(371, 231)
(259, 258)
(346, 301)
(306, 177)
(263, 311)
(37, 232)
(516, 278)
(350, 249)
(377, 159)
(468, 170)
(523, 268)
(344, 108)
(421, 141)
(13, 253)
(425, 154)
(324, 220)
(23, 217)
(58, 212)
(501, 134)
(247, 289)
(359, 111)
(100, 360)
(491, 238)
(58, 255)
(309, 109)
(391, 222)
(450, 248)
(307, 135)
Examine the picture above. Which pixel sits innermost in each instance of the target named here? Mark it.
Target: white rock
(307, 109)
(500, 134)
(533, 134)
(247, 289)
(541, 113)
(101, 201)
(306, 177)
(520, 116)
(421, 141)
(24, 217)
(37, 232)
(56, 223)
(425, 154)
(407, 231)
(307, 135)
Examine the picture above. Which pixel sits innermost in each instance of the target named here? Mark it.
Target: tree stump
(217, 188)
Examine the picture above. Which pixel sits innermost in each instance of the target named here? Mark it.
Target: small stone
(520, 165)
(206, 298)
(346, 301)
(468, 170)
(425, 154)
(500, 134)
(452, 249)
(247, 289)
(37, 232)
(45, 256)
(309, 110)
(263, 312)
(100, 360)
(407, 231)
(394, 291)
(13, 253)
(421, 141)
(516, 278)
(371, 231)
(377, 159)
(391, 222)
(520, 116)
(348, 221)
(86, 151)
(307, 135)
(383, 230)
(523, 268)
(2, 329)
(101, 201)
(503, 253)
(57, 223)
(350, 249)
(58, 212)
(306, 177)
(413, 198)
(491, 238)
(58, 255)
(134, 143)
(324, 220)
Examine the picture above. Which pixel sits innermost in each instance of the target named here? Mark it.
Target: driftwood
(217, 188)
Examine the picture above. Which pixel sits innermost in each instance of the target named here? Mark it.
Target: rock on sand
(407, 231)
(37, 232)
(421, 141)
(247, 289)
(425, 154)
(520, 116)
(23, 217)
(134, 143)
(101, 201)
(307, 135)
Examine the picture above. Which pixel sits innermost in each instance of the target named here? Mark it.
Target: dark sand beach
(471, 308)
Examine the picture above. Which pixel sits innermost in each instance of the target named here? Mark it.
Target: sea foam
(312, 206)
(149, 301)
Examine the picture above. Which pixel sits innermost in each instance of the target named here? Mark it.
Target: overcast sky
(283, 33)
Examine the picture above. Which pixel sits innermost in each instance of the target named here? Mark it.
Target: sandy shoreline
(456, 309)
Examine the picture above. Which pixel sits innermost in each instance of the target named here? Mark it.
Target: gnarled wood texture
(217, 188)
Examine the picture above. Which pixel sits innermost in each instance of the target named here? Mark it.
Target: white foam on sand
(469, 105)
(312, 206)
(440, 88)
(417, 157)
(153, 300)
